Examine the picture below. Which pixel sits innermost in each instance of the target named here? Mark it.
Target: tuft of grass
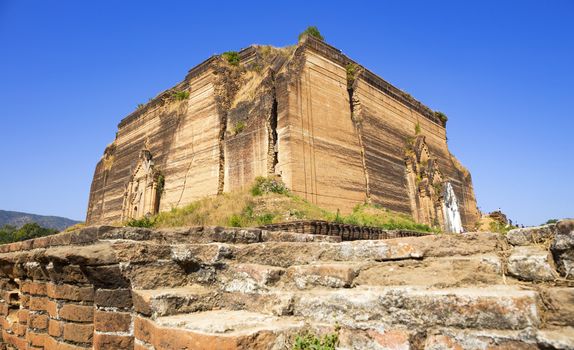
(310, 341)
(180, 95)
(417, 128)
(239, 127)
(143, 222)
(312, 31)
(352, 70)
(442, 117)
(232, 57)
(265, 185)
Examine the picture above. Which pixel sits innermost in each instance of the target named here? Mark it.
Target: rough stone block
(563, 248)
(531, 263)
(531, 235)
(496, 307)
(333, 275)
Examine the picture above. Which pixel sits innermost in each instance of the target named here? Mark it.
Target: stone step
(457, 271)
(495, 307)
(332, 275)
(170, 301)
(443, 339)
(219, 329)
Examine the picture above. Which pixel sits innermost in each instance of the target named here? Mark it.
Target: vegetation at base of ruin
(312, 31)
(9, 234)
(311, 341)
(232, 57)
(75, 227)
(143, 222)
(238, 127)
(550, 221)
(265, 185)
(441, 116)
(180, 95)
(378, 216)
(268, 201)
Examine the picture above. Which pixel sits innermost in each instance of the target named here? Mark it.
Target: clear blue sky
(503, 71)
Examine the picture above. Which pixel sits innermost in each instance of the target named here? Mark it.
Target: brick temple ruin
(334, 132)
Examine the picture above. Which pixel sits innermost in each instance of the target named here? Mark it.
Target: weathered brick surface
(81, 333)
(70, 292)
(38, 321)
(34, 288)
(36, 339)
(112, 321)
(78, 313)
(112, 342)
(38, 303)
(55, 328)
(121, 298)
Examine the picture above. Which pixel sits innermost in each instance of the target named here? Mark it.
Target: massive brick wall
(290, 112)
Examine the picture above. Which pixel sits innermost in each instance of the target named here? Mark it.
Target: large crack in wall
(355, 108)
(226, 86)
(272, 148)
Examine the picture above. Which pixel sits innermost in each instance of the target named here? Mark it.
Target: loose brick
(81, 333)
(78, 313)
(121, 298)
(113, 342)
(112, 321)
(37, 321)
(69, 292)
(55, 328)
(35, 339)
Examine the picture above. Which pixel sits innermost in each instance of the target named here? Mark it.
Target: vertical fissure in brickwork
(273, 148)
(222, 131)
(355, 109)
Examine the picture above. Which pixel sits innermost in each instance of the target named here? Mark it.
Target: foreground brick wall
(214, 288)
(56, 297)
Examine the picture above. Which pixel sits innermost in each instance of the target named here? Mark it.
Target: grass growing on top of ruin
(268, 201)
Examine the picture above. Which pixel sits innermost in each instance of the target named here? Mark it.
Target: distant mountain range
(18, 219)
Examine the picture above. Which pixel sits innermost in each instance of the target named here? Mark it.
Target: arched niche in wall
(143, 191)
